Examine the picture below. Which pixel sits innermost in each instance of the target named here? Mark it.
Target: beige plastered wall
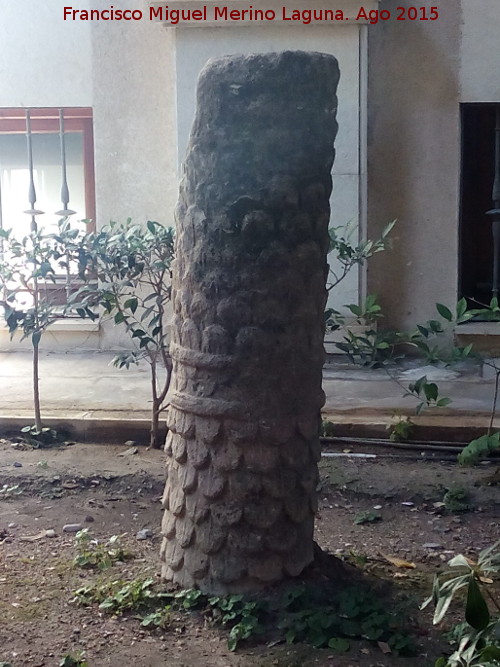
(134, 124)
(413, 160)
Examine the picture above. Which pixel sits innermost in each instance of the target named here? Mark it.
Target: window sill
(484, 336)
(67, 326)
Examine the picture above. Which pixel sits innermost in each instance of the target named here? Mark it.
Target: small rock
(129, 452)
(16, 464)
(72, 527)
(50, 533)
(130, 443)
(442, 529)
(89, 518)
(144, 534)
(12, 525)
(408, 503)
(432, 545)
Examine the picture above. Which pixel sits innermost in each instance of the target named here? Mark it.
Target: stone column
(247, 336)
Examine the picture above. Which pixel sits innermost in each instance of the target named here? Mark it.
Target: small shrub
(327, 429)
(76, 660)
(478, 639)
(94, 554)
(480, 448)
(368, 516)
(457, 500)
(40, 438)
(317, 617)
(401, 429)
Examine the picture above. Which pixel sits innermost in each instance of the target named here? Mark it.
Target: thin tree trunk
(36, 387)
(248, 326)
(155, 412)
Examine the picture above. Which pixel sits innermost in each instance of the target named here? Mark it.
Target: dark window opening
(478, 173)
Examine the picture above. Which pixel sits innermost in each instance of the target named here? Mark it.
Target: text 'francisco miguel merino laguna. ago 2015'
(228, 14)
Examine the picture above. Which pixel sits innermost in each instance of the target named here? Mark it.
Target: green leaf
(339, 644)
(131, 304)
(423, 331)
(138, 333)
(443, 402)
(476, 610)
(444, 312)
(459, 561)
(431, 391)
(119, 317)
(461, 308)
(232, 643)
(491, 652)
(151, 226)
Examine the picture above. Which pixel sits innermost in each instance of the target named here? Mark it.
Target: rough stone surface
(247, 336)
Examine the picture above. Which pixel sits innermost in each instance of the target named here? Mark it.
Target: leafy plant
(27, 266)
(427, 393)
(157, 619)
(368, 516)
(132, 268)
(94, 554)
(400, 429)
(7, 492)
(243, 615)
(118, 596)
(327, 429)
(427, 338)
(480, 448)
(349, 254)
(479, 638)
(76, 660)
(315, 616)
(45, 437)
(374, 346)
(355, 613)
(457, 499)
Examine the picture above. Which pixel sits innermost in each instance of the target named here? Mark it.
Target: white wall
(480, 51)
(44, 61)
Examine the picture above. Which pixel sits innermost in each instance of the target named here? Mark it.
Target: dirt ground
(113, 492)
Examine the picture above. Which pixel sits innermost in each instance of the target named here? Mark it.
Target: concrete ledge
(450, 426)
(114, 428)
(97, 428)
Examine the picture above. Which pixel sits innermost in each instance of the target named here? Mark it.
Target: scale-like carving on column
(247, 335)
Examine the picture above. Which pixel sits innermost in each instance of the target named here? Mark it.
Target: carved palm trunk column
(247, 337)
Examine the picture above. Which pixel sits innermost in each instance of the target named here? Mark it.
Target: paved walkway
(83, 391)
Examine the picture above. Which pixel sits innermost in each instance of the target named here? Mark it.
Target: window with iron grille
(52, 148)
